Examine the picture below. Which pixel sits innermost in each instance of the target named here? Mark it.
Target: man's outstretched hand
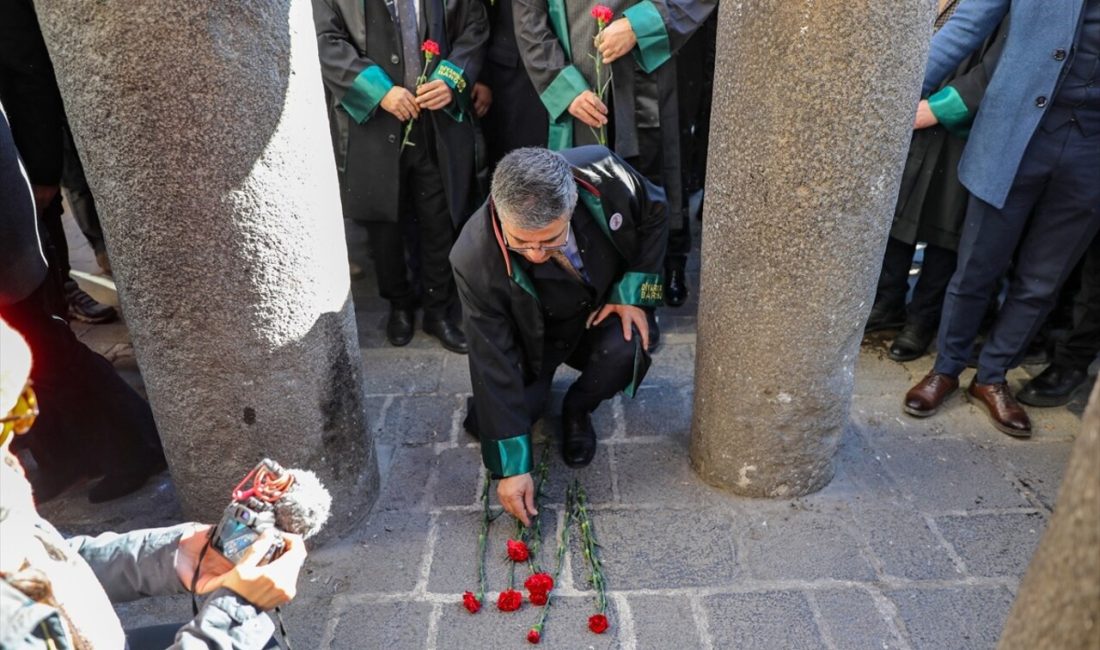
(517, 495)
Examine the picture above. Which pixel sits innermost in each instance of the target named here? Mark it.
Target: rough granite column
(202, 128)
(1058, 605)
(816, 103)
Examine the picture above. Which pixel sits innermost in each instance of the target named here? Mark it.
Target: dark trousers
(650, 163)
(893, 282)
(1080, 347)
(424, 202)
(1050, 216)
(91, 421)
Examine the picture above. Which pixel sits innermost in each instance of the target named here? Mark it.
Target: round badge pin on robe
(616, 221)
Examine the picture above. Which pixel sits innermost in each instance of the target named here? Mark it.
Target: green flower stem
(483, 539)
(533, 535)
(563, 545)
(423, 78)
(601, 87)
(591, 547)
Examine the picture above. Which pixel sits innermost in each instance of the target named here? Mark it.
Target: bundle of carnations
(524, 548)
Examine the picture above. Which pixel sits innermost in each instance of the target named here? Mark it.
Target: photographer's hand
(214, 564)
(269, 585)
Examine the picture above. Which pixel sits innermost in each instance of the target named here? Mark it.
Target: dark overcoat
(504, 315)
(359, 42)
(931, 201)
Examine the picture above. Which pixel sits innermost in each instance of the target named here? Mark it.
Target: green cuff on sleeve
(366, 93)
(508, 457)
(455, 78)
(639, 289)
(649, 28)
(951, 111)
(562, 91)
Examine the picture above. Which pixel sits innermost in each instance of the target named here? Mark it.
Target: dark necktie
(410, 43)
(564, 262)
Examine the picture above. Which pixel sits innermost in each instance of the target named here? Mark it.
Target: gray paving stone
(603, 419)
(860, 476)
(994, 545)
(776, 620)
(959, 618)
(404, 371)
(454, 566)
(457, 477)
(655, 549)
(948, 474)
(900, 538)
(673, 365)
(406, 485)
(566, 627)
(596, 478)
(851, 619)
(1039, 467)
(664, 622)
(790, 543)
(391, 544)
(455, 376)
(656, 412)
(660, 472)
(374, 408)
(420, 419)
(395, 626)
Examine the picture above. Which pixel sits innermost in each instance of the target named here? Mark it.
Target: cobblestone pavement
(920, 540)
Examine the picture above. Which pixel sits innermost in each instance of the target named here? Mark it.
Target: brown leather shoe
(925, 398)
(1007, 414)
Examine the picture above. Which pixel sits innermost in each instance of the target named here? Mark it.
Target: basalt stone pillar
(1058, 605)
(816, 102)
(203, 132)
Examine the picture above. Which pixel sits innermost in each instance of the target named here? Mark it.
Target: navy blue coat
(1021, 90)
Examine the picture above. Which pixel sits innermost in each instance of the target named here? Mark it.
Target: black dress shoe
(399, 327)
(912, 342)
(1052, 387)
(676, 289)
(448, 334)
(578, 439)
(884, 318)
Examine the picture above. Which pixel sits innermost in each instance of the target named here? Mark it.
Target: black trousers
(893, 282)
(649, 163)
(1080, 347)
(91, 422)
(1050, 217)
(424, 203)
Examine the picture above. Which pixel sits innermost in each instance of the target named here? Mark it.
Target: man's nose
(538, 256)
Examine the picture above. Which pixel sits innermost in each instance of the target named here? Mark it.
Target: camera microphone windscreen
(305, 507)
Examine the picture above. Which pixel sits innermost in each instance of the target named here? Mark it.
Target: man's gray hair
(533, 187)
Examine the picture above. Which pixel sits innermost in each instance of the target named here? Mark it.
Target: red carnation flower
(539, 583)
(431, 47)
(509, 600)
(471, 603)
(602, 14)
(517, 551)
(539, 598)
(597, 623)
(533, 636)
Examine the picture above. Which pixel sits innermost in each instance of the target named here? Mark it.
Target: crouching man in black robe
(559, 266)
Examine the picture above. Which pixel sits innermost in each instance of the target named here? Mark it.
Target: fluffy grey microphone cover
(305, 507)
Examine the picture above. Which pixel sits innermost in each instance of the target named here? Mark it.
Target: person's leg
(923, 314)
(888, 310)
(387, 250)
(1080, 347)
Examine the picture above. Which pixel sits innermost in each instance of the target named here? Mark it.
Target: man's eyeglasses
(549, 246)
(22, 415)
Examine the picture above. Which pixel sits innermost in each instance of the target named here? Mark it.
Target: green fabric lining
(951, 111)
(366, 93)
(556, 98)
(639, 289)
(519, 276)
(455, 78)
(508, 457)
(560, 134)
(653, 48)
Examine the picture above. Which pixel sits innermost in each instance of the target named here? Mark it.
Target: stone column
(816, 103)
(203, 132)
(1058, 605)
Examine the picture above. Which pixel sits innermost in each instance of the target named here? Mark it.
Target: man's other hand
(616, 40)
(269, 585)
(400, 103)
(482, 97)
(214, 564)
(517, 495)
(433, 95)
(629, 315)
(588, 108)
(925, 117)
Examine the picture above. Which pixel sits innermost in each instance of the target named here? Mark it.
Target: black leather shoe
(578, 439)
(399, 327)
(84, 308)
(884, 318)
(912, 342)
(448, 334)
(1052, 387)
(676, 288)
(118, 484)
